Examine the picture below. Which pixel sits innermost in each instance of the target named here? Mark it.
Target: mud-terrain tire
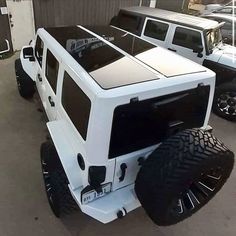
(182, 175)
(56, 182)
(26, 86)
(225, 101)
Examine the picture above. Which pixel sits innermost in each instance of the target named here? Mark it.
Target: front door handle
(172, 50)
(123, 168)
(40, 78)
(52, 103)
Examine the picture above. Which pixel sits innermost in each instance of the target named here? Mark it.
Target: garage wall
(71, 12)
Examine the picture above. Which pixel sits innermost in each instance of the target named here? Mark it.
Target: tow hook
(121, 213)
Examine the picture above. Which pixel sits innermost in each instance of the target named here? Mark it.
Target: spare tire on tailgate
(182, 175)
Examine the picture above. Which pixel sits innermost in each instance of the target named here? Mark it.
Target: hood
(224, 54)
(228, 56)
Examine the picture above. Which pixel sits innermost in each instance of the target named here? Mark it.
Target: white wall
(22, 22)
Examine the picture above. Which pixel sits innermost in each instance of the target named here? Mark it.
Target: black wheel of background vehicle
(225, 101)
(25, 85)
(182, 175)
(56, 182)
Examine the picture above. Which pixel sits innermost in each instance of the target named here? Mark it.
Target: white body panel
(105, 209)
(31, 68)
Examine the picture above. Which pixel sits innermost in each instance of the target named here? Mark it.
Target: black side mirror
(227, 40)
(28, 53)
(198, 49)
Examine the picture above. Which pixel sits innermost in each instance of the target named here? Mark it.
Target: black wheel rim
(226, 103)
(50, 191)
(198, 192)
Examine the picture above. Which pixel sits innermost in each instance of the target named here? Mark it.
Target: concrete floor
(23, 205)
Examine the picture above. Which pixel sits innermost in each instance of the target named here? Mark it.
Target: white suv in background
(193, 37)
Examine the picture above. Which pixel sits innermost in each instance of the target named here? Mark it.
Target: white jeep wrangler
(193, 37)
(123, 125)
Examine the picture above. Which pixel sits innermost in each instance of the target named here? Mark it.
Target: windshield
(214, 37)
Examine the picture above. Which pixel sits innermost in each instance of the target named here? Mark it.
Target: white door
(21, 22)
(188, 43)
(156, 31)
(46, 78)
(39, 66)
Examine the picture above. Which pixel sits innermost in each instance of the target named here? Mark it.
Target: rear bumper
(105, 209)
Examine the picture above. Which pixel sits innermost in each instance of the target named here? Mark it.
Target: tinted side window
(156, 30)
(187, 38)
(76, 104)
(52, 67)
(39, 50)
(129, 22)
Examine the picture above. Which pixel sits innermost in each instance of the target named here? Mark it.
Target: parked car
(122, 122)
(227, 28)
(226, 10)
(210, 8)
(231, 3)
(193, 37)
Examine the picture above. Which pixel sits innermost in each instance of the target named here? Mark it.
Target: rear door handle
(52, 103)
(123, 168)
(40, 78)
(171, 49)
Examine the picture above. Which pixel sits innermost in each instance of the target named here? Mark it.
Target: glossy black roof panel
(126, 42)
(107, 66)
(153, 56)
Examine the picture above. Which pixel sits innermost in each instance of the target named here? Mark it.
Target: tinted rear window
(76, 104)
(129, 22)
(142, 124)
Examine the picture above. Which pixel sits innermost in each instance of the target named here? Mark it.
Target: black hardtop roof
(99, 58)
(115, 58)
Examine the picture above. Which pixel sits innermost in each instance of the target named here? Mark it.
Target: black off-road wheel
(25, 85)
(182, 175)
(225, 101)
(56, 182)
